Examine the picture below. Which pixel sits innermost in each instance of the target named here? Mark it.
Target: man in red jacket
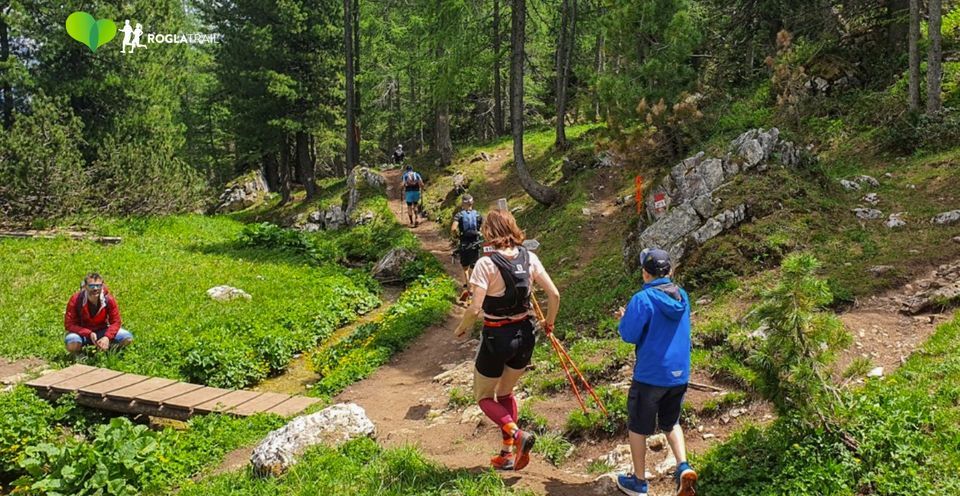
(93, 318)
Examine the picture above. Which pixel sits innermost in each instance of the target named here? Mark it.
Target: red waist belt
(504, 322)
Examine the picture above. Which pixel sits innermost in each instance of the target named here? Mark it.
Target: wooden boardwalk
(131, 393)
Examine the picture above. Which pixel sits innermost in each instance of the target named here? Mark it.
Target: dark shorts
(649, 406)
(469, 255)
(510, 346)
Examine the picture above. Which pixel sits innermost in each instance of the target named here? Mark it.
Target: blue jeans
(122, 335)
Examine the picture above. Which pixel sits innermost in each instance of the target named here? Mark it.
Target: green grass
(159, 275)
(358, 467)
(554, 447)
(905, 426)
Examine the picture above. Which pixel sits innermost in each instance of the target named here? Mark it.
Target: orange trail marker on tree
(638, 183)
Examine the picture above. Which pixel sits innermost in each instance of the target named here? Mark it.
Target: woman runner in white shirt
(502, 285)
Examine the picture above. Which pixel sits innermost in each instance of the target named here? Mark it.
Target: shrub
(594, 423)
(25, 420)
(112, 464)
(221, 359)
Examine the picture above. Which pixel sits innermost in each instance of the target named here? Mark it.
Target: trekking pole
(565, 357)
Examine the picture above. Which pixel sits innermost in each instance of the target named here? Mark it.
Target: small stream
(299, 375)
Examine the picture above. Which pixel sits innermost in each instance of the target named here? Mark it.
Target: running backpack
(469, 221)
(517, 279)
(411, 179)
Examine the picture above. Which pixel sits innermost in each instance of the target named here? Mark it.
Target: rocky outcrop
(390, 267)
(242, 193)
(947, 218)
(331, 426)
(682, 210)
(940, 291)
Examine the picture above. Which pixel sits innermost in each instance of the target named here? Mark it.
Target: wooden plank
(130, 392)
(195, 397)
(45, 381)
(295, 404)
(95, 377)
(263, 403)
(227, 401)
(158, 396)
(102, 388)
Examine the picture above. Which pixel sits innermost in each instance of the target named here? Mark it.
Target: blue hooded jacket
(657, 321)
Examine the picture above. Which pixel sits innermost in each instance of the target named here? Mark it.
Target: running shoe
(524, 443)
(686, 479)
(503, 461)
(631, 485)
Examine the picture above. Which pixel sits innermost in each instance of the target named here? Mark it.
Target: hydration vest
(516, 278)
(469, 226)
(411, 181)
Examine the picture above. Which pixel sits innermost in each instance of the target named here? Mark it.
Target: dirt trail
(408, 407)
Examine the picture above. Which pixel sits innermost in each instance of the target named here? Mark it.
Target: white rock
(947, 217)
(895, 221)
(331, 426)
(667, 465)
(227, 293)
(849, 185)
(863, 179)
(867, 213)
(656, 442)
(872, 198)
(472, 415)
(877, 372)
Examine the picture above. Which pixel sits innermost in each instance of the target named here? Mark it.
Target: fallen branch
(704, 387)
(106, 240)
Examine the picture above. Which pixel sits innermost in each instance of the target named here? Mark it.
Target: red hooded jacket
(79, 320)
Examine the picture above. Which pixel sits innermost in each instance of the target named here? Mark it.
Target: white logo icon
(131, 36)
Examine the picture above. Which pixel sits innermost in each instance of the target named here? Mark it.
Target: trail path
(408, 407)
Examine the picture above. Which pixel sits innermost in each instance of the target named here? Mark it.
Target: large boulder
(242, 193)
(390, 267)
(681, 206)
(331, 426)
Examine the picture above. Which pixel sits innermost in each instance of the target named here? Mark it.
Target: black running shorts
(510, 345)
(469, 255)
(649, 406)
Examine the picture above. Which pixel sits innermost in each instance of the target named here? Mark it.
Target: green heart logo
(82, 27)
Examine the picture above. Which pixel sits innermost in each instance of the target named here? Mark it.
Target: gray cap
(467, 199)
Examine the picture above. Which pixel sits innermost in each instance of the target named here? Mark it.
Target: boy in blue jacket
(657, 322)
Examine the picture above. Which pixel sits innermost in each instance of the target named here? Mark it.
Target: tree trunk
(568, 26)
(356, 72)
(898, 25)
(542, 194)
(934, 58)
(442, 143)
(497, 84)
(284, 170)
(5, 58)
(271, 171)
(351, 157)
(306, 166)
(598, 68)
(914, 42)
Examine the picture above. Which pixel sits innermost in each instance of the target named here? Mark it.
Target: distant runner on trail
(657, 321)
(502, 285)
(93, 318)
(412, 187)
(466, 226)
(398, 155)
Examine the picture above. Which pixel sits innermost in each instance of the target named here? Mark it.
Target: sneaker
(503, 461)
(686, 479)
(631, 485)
(524, 443)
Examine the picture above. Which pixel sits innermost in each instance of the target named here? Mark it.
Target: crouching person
(93, 318)
(657, 321)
